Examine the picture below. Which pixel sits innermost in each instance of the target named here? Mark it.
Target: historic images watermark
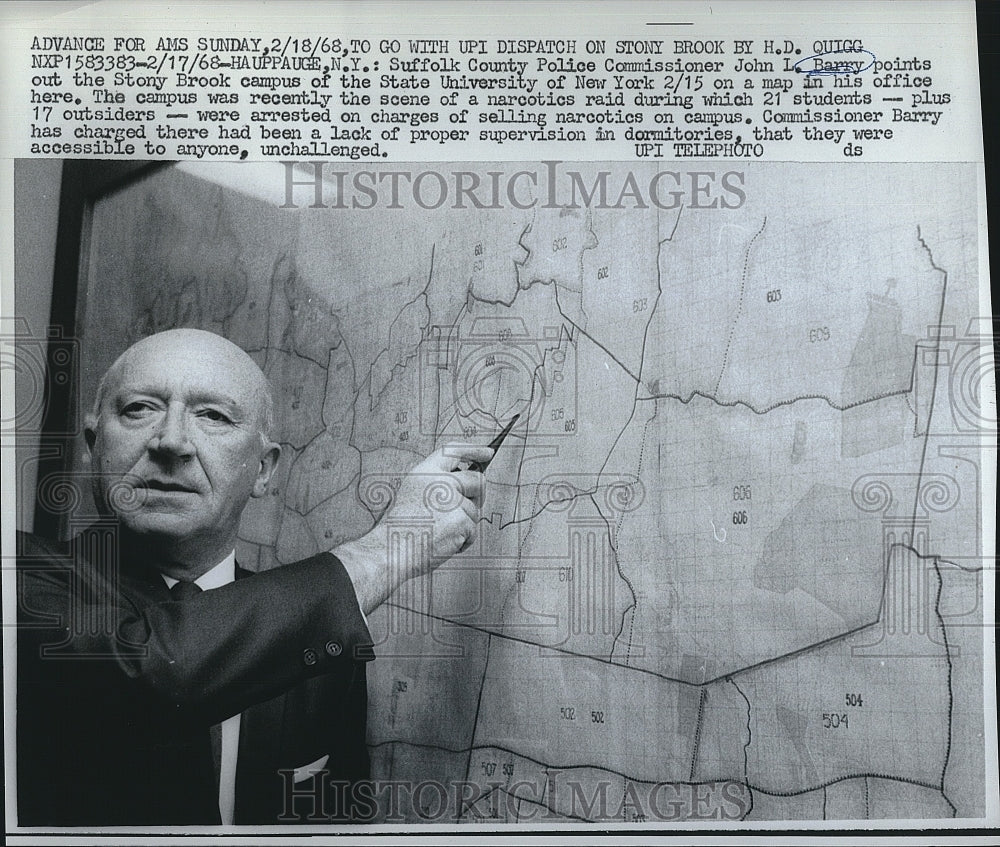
(314, 185)
(553, 797)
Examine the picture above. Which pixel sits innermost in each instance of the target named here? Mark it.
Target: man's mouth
(167, 485)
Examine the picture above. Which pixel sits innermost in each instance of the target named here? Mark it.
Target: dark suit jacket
(118, 686)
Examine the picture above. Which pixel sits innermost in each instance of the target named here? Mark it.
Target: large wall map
(729, 560)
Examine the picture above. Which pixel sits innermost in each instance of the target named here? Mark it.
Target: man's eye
(136, 409)
(215, 416)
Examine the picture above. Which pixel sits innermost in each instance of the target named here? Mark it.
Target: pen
(495, 445)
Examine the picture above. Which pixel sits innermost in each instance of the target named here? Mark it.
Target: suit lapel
(257, 779)
(141, 582)
(261, 731)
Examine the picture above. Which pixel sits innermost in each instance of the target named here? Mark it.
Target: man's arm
(211, 655)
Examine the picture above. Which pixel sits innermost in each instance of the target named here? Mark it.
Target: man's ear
(90, 432)
(269, 453)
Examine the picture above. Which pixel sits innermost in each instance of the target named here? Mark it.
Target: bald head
(175, 348)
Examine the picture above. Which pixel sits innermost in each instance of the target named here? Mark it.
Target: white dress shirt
(222, 574)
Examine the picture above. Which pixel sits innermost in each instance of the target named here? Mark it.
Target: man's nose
(172, 435)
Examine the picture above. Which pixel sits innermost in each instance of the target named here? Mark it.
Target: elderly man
(158, 683)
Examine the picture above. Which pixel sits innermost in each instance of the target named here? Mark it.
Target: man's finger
(447, 458)
(468, 543)
(471, 512)
(470, 483)
(473, 530)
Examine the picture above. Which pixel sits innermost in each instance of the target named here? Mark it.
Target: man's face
(177, 446)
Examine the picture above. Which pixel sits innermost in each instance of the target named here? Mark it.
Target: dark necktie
(185, 591)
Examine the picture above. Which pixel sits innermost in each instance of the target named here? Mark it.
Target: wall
(36, 223)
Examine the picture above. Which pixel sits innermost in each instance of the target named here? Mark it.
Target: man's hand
(436, 495)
